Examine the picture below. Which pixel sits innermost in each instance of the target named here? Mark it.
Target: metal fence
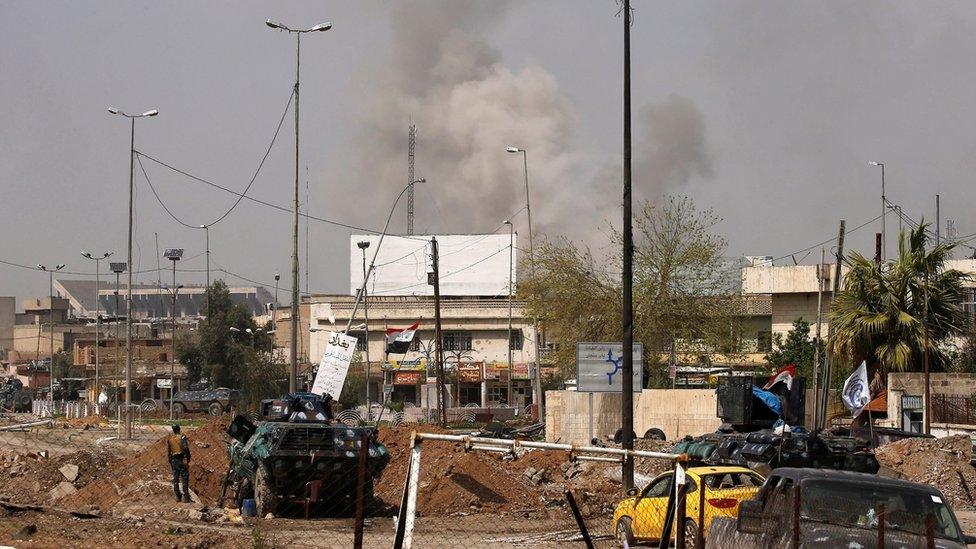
(954, 409)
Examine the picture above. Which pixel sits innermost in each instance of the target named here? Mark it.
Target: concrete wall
(913, 384)
(8, 316)
(678, 412)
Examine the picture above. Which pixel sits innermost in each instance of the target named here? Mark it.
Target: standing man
(178, 448)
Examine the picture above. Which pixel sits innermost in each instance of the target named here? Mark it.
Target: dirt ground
(943, 463)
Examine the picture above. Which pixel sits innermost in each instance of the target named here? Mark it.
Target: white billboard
(599, 367)
(470, 265)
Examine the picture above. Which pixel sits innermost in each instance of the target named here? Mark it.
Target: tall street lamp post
(293, 374)
(363, 244)
(174, 255)
(98, 317)
(118, 268)
(50, 273)
(536, 377)
(128, 286)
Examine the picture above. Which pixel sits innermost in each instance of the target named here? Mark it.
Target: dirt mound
(943, 463)
(147, 472)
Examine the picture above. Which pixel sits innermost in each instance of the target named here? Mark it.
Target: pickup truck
(828, 508)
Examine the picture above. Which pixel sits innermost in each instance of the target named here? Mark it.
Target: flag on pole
(856, 393)
(785, 374)
(398, 339)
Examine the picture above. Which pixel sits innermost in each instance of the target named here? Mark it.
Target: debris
(25, 533)
(943, 463)
(69, 471)
(62, 490)
(194, 514)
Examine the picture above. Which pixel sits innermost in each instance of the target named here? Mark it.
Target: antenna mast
(411, 143)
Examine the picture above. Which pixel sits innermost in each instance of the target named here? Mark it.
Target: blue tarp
(769, 399)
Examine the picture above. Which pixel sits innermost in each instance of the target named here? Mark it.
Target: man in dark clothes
(178, 448)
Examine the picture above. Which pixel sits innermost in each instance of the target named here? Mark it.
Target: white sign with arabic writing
(334, 365)
(599, 367)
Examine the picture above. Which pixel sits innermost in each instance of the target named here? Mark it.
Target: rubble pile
(38, 479)
(943, 463)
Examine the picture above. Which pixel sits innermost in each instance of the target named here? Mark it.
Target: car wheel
(691, 534)
(264, 496)
(625, 533)
(655, 434)
(179, 408)
(618, 437)
(148, 405)
(215, 409)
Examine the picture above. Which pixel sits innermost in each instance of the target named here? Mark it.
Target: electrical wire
(240, 196)
(829, 240)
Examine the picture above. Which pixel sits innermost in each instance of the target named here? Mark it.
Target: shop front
(496, 377)
(405, 378)
(469, 383)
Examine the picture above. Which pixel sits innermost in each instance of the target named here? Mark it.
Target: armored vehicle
(197, 399)
(296, 453)
(13, 396)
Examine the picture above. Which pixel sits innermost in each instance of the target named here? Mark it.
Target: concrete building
(149, 301)
(476, 343)
(793, 291)
(8, 318)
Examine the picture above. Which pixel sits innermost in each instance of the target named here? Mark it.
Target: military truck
(297, 454)
(197, 399)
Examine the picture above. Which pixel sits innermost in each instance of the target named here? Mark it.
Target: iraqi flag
(398, 339)
(785, 374)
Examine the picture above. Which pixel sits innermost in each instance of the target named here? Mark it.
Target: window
(498, 395)
(360, 340)
(764, 342)
(415, 343)
(516, 340)
(658, 488)
(457, 341)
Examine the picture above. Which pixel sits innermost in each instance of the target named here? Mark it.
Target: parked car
(839, 509)
(640, 518)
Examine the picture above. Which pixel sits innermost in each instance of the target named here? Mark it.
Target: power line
(239, 196)
(829, 240)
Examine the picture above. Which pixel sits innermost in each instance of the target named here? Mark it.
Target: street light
(98, 318)
(172, 364)
(50, 273)
(536, 381)
(128, 289)
(293, 374)
(884, 210)
(363, 244)
(511, 260)
(206, 294)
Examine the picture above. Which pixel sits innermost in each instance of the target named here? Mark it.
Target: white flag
(856, 393)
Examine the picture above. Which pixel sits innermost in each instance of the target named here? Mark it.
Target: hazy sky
(766, 111)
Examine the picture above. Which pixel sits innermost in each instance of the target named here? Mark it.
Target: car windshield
(857, 503)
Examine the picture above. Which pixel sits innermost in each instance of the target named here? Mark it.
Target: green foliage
(683, 289)
(354, 390)
(797, 349)
(224, 353)
(878, 315)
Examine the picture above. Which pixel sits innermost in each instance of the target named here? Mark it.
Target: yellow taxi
(640, 518)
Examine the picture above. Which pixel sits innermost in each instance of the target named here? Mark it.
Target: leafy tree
(797, 349)
(878, 315)
(684, 290)
(223, 352)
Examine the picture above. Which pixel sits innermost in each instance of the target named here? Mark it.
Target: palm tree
(878, 315)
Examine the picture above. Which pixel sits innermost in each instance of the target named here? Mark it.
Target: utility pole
(118, 268)
(293, 372)
(438, 334)
(411, 145)
(174, 255)
(836, 289)
(925, 354)
(938, 222)
(884, 211)
(206, 294)
(627, 398)
(816, 337)
(511, 261)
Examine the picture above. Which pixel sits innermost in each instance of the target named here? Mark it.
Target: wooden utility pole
(925, 354)
(627, 320)
(839, 258)
(438, 334)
